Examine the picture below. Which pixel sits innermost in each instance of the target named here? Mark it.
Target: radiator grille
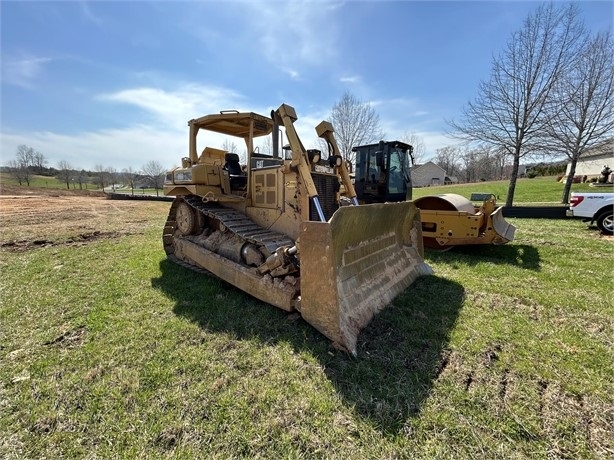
(327, 187)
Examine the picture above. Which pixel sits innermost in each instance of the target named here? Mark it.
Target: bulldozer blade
(355, 264)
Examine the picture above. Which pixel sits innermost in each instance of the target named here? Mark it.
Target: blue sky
(114, 83)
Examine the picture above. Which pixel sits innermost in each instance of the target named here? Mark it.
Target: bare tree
(39, 161)
(22, 166)
(512, 108)
(130, 177)
(81, 178)
(154, 173)
(25, 155)
(417, 143)
(470, 164)
(482, 164)
(499, 158)
(231, 147)
(356, 123)
(266, 146)
(101, 176)
(448, 158)
(112, 176)
(65, 173)
(585, 115)
(20, 174)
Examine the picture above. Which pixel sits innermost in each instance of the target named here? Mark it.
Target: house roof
(606, 148)
(428, 163)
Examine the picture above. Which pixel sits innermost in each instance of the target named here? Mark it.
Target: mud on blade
(356, 264)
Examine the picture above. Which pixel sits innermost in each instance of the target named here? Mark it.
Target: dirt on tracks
(37, 217)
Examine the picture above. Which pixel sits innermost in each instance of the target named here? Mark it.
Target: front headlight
(314, 155)
(335, 161)
(184, 175)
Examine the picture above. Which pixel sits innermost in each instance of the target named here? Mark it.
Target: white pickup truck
(594, 207)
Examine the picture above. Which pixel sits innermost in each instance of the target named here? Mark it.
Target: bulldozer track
(229, 219)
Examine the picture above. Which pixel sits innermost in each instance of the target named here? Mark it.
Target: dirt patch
(84, 238)
(33, 218)
(70, 338)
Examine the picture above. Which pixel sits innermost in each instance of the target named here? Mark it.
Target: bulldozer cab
(216, 170)
(382, 172)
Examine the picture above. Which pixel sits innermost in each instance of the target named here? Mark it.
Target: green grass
(539, 190)
(109, 351)
(37, 181)
(42, 181)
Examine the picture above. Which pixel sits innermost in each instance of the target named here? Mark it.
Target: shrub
(531, 173)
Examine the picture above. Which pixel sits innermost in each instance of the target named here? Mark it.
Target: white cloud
(406, 115)
(175, 108)
(119, 149)
(350, 79)
(294, 34)
(89, 14)
(23, 71)
(432, 138)
(294, 74)
(160, 133)
(163, 139)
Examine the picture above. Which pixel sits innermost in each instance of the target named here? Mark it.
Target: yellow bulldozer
(273, 227)
(382, 175)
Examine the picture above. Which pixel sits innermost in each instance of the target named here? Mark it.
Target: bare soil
(37, 217)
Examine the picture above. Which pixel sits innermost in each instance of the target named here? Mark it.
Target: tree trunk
(569, 181)
(513, 177)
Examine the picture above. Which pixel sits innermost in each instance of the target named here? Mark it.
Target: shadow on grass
(519, 255)
(400, 353)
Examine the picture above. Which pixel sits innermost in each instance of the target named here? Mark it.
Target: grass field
(46, 182)
(536, 191)
(109, 351)
(43, 182)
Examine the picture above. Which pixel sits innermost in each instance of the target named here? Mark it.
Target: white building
(592, 162)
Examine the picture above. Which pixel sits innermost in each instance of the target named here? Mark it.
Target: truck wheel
(605, 222)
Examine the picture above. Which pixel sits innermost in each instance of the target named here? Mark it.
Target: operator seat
(238, 179)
